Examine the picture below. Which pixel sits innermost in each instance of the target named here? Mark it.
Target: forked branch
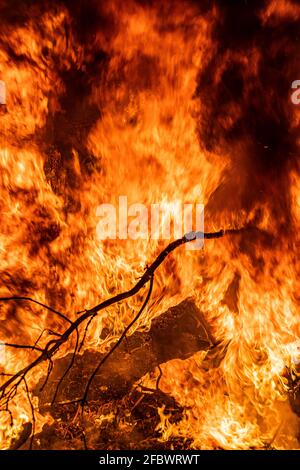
(10, 387)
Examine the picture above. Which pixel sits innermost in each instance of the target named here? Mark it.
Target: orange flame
(139, 138)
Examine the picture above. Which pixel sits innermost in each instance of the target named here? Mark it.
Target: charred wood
(176, 334)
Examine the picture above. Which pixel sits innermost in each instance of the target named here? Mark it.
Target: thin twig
(51, 332)
(9, 388)
(21, 346)
(29, 299)
(159, 377)
(50, 367)
(67, 369)
(117, 344)
(85, 332)
(32, 413)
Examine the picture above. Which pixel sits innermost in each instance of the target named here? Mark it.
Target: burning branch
(10, 387)
(177, 333)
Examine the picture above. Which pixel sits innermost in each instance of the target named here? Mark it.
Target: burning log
(177, 333)
(118, 369)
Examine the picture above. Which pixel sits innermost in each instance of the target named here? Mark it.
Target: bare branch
(29, 299)
(10, 387)
(32, 413)
(117, 344)
(21, 346)
(68, 368)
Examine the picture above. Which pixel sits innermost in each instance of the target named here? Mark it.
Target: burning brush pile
(122, 343)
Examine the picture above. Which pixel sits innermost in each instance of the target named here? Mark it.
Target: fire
(145, 101)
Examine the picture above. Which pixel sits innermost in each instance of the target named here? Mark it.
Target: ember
(133, 342)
